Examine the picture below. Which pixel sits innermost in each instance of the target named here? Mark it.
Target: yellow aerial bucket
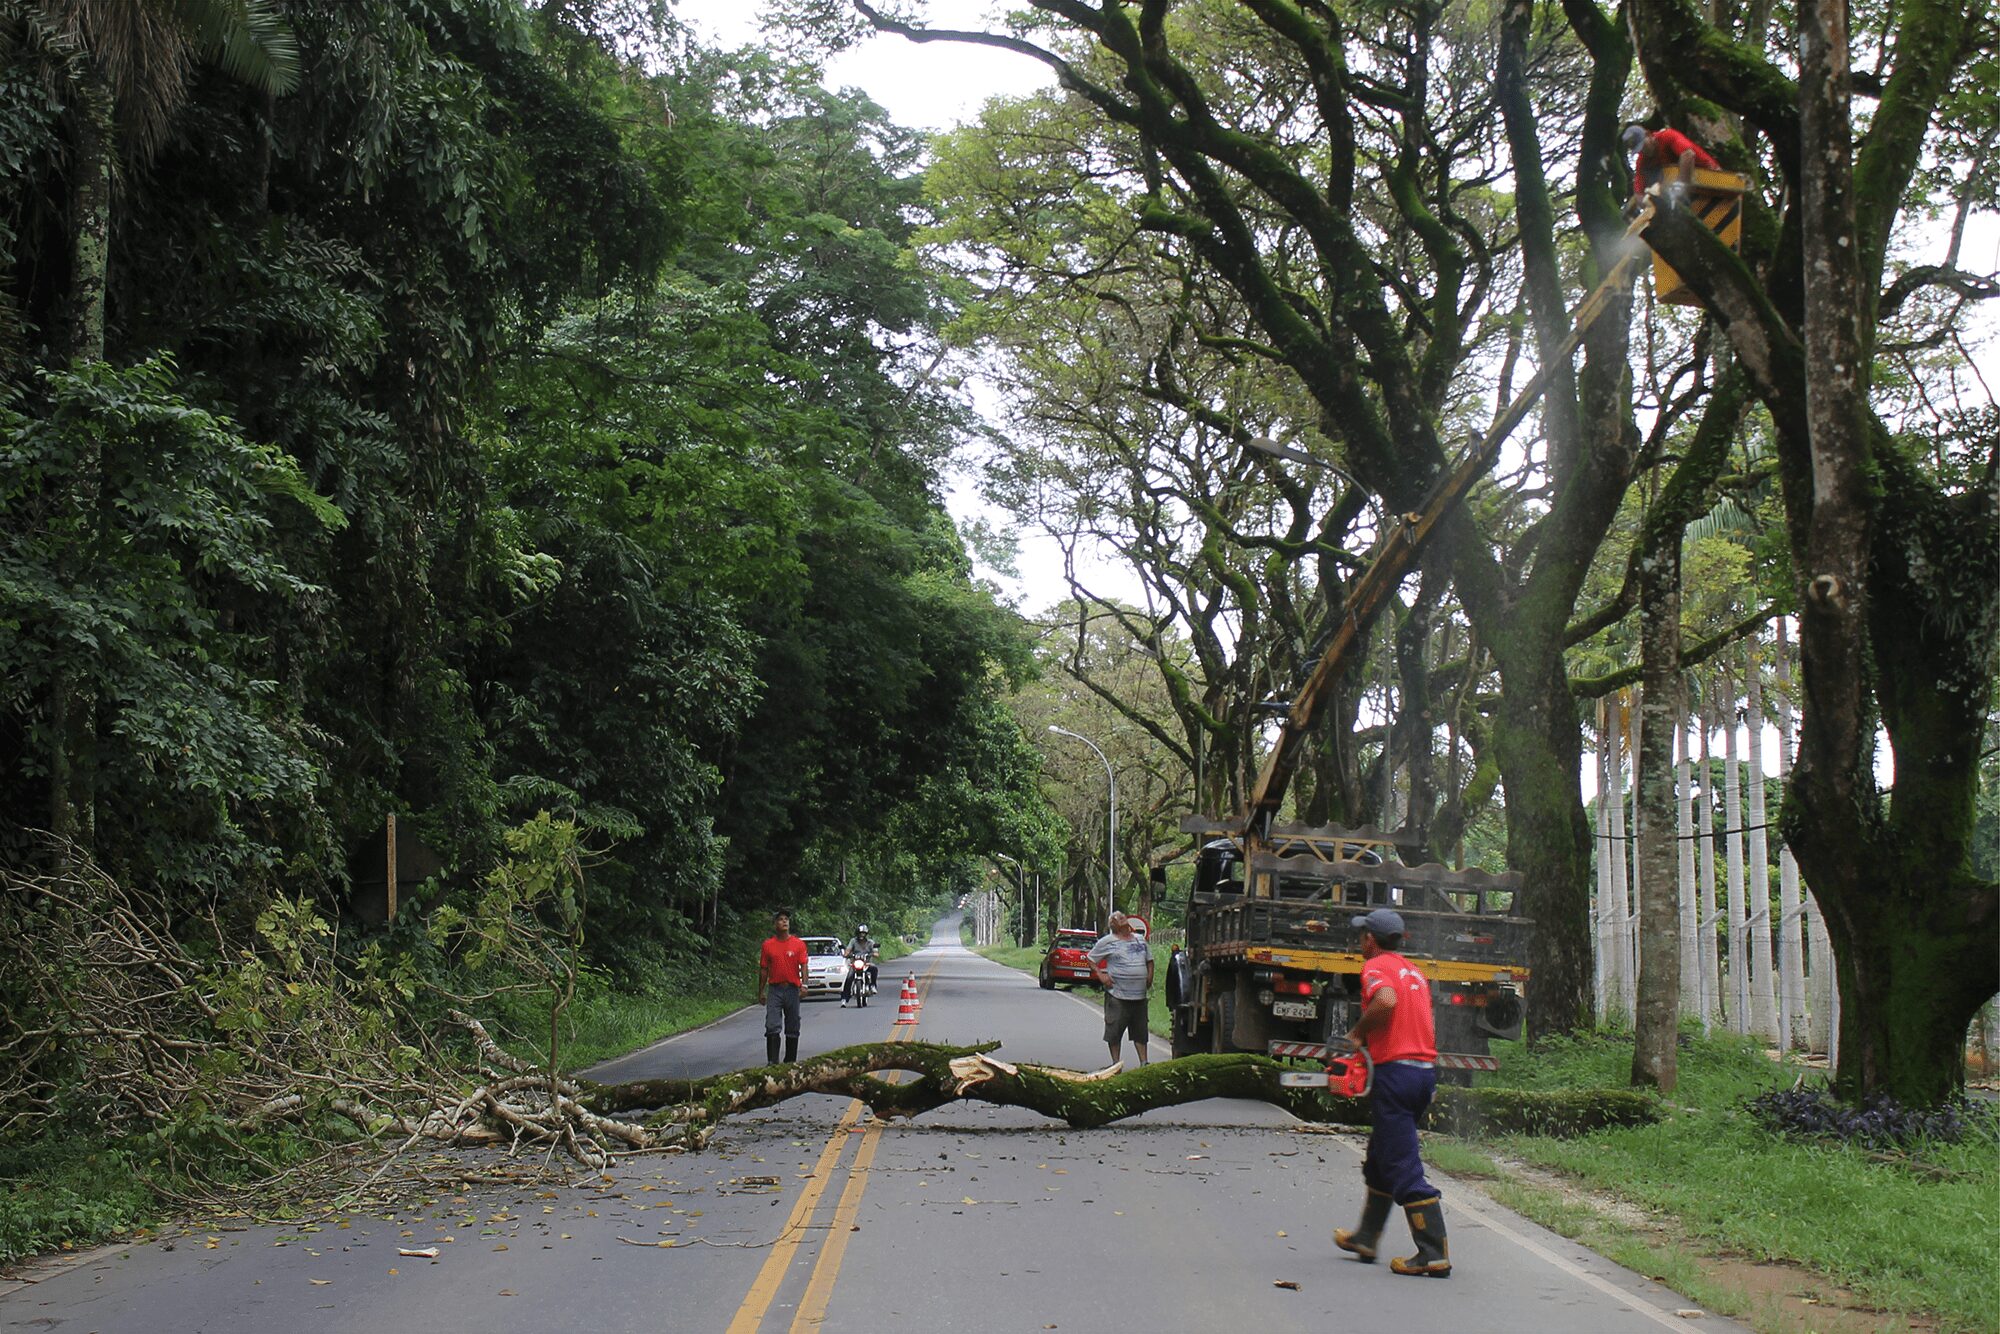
(1716, 197)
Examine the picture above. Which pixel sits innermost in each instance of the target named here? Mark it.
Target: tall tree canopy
(489, 409)
(1385, 194)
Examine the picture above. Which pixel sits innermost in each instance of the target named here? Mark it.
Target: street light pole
(1020, 897)
(1110, 826)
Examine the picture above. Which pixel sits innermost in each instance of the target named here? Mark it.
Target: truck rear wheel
(1190, 1036)
(1223, 1031)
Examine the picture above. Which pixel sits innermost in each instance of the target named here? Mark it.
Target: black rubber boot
(791, 1047)
(770, 1049)
(1433, 1257)
(1362, 1240)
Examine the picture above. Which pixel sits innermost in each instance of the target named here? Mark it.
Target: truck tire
(1223, 1031)
(1190, 1036)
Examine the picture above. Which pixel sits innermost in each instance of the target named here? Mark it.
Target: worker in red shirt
(781, 975)
(1397, 1029)
(1656, 151)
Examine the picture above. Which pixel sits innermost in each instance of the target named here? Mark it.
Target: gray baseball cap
(1381, 922)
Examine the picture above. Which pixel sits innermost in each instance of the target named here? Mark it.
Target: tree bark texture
(1663, 712)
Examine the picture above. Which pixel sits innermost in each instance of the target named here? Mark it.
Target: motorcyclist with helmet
(862, 953)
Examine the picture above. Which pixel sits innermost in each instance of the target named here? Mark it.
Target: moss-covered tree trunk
(1655, 1062)
(1537, 732)
(1538, 749)
(1898, 571)
(685, 1112)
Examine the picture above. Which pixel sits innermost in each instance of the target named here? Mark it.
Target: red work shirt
(1410, 1034)
(782, 961)
(1663, 149)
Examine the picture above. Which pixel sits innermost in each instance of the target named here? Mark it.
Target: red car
(1068, 959)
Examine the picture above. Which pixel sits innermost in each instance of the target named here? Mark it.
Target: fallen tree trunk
(684, 1113)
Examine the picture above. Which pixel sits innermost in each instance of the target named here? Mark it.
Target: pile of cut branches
(120, 1015)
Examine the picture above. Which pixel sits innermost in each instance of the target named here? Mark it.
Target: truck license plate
(1293, 1009)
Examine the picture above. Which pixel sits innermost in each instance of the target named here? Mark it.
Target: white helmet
(861, 930)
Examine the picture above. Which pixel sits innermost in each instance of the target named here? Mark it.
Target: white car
(826, 966)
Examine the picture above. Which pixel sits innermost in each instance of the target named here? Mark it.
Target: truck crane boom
(1410, 533)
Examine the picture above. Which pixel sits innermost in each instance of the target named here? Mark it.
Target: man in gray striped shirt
(1123, 964)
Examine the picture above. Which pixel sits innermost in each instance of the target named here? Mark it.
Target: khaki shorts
(1124, 1016)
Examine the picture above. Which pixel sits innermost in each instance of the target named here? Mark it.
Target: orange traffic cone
(906, 1009)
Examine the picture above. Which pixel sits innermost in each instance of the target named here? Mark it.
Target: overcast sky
(930, 87)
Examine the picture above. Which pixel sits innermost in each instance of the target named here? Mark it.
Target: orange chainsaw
(1347, 1075)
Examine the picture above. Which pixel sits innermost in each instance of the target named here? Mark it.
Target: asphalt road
(810, 1217)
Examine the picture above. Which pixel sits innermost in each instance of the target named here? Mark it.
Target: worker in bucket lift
(1654, 151)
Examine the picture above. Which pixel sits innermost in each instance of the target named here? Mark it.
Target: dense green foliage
(488, 420)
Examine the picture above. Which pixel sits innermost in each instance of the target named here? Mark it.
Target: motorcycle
(861, 975)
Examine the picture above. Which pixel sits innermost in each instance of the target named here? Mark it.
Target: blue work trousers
(781, 1004)
(1396, 1103)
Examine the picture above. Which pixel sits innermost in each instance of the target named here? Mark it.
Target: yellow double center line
(826, 1267)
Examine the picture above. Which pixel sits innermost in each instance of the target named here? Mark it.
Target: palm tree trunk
(1618, 987)
(1684, 878)
(1791, 938)
(1823, 997)
(1635, 732)
(1757, 888)
(1606, 855)
(1732, 847)
(1706, 911)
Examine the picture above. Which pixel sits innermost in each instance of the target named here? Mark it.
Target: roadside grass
(1649, 1253)
(59, 1196)
(1910, 1231)
(606, 1021)
(606, 1024)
